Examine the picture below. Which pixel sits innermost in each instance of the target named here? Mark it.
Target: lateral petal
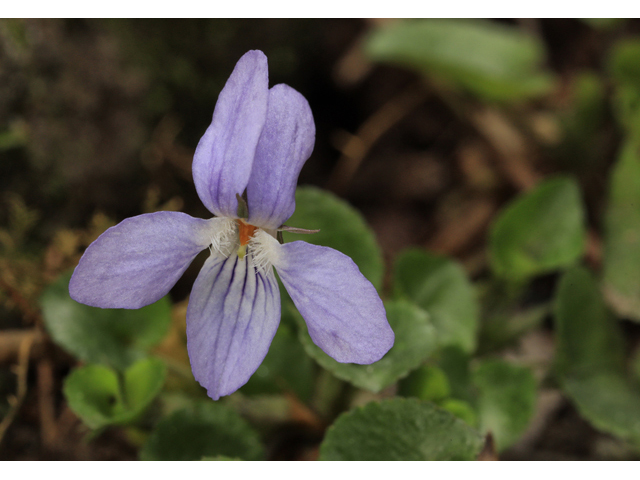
(224, 156)
(342, 309)
(139, 260)
(286, 143)
(232, 317)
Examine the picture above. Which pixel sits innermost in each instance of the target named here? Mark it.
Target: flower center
(235, 235)
(245, 232)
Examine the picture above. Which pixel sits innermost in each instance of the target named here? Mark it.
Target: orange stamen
(246, 231)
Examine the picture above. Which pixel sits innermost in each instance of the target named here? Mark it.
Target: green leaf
(626, 106)
(462, 410)
(441, 287)
(609, 401)
(541, 231)
(400, 429)
(590, 358)
(504, 319)
(341, 227)
(426, 383)
(583, 122)
(100, 398)
(493, 61)
(93, 393)
(506, 327)
(587, 335)
(622, 235)
(623, 68)
(206, 429)
(454, 362)
(116, 337)
(285, 368)
(623, 62)
(414, 343)
(142, 382)
(506, 400)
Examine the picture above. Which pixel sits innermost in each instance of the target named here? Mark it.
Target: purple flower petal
(285, 144)
(342, 309)
(223, 158)
(232, 317)
(137, 262)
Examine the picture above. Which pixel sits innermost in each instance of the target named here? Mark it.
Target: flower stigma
(245, 232)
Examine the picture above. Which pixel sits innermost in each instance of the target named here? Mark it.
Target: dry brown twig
(354, 65)
(454, 236)
(21, 370)
(512, 149)
(489, 452)
(301, 413)
(11, 342)
(356, 147)
(46, 405)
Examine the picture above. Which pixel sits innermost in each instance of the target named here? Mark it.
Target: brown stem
(455, 235)
(48, 428)
(21, 372)
(357, 146)
(11, 341)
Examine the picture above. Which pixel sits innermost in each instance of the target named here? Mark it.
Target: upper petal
(232, 317)
(137, 262)
(223, 158)
(285, 144)
(342, 309)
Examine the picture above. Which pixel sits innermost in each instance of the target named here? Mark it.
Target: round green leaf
(590, 358)
(426, 383)
(506, 400)
(115, 337)
(100, 398)
(454, 362)
(622, 235)
(462, 410)
(93, 393)
(400, 429)
(142, 382)
(587, 335)
(623, 68)
(494, 61)
(608, 401)
(206, 429)
(341, 227)
(415, 342)
(539, 232)
(441, 287)
(624, 62)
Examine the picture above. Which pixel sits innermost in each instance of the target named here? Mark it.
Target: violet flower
(257, 142)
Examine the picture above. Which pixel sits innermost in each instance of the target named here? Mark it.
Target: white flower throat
(229, 236)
